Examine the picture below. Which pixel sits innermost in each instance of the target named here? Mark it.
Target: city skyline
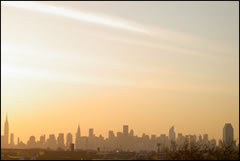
(65, 142)
(102, 65)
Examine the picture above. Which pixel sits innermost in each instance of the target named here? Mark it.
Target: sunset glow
(150, 65)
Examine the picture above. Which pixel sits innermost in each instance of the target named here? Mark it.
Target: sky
(149, 65)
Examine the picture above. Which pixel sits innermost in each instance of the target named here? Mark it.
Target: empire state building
(6, 132)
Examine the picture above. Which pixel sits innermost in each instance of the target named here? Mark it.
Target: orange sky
(102, 69)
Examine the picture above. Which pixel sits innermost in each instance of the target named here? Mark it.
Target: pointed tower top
(78, 131)
(6, 121)
(7, 117)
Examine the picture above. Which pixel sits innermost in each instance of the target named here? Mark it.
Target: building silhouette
(6, 133)
(18, 141)
(42, 142)
(172, 134)
(2, 142)
(69, 141)
(78, 138)
(12, 140)
(60, 141)
(122, 141)
(180, 140)
(227, 134)
(200, 140)
(31, 142)
(91, 132)
(51, 142)
(131, 132)
(125, 129)
(205, 138)
(193, 139)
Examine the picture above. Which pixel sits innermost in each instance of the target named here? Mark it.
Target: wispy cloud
(177, 42)
(78, 15)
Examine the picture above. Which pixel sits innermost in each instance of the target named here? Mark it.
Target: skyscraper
(111, 135)
(31, 142)
(228, 134)
(205, 138)
(6, 132)
(163, 140)
(125, 129)
(12, 139)
(2, 141)
(131, 132)
(42, 141)
(125, 138)
(91, 132)
(172, 134)
(78, 137)
(180, 139)
(18, 141)
(193, 139)
(69, 141)
(60, 141)
(200, 139)
(51, 142)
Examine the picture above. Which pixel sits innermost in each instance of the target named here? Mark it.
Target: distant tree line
(194, 151)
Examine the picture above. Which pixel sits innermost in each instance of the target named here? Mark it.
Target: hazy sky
(150, 65)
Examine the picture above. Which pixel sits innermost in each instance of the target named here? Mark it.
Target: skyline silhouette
(155, 76)
(124, 141)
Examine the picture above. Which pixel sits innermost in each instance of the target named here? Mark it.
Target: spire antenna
(6, 116)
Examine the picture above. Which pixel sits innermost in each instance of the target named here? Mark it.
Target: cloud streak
(77, 15)
(177, 42)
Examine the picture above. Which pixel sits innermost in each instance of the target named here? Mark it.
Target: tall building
(228, 134)
(12, 139)
(193, 139)
(78, 138)
(2, 141)
(91, 132)
(42, 141)
(69, 141)
(180, 139)
(31, 142)
(18, 141)
(51, 142)
(163, 140)
(60, 141)
(125, 138)
(200, 139)
(6, 132)
(131, 132)
(125, 129)
(111, 135)
(205, 138)
(172, 134)
(212, 143)
(153, 137)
